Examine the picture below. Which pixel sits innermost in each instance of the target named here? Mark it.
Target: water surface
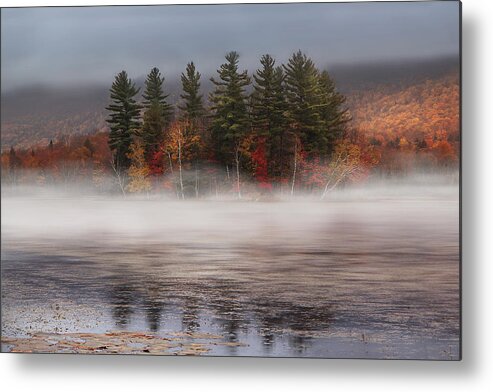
(351, 278)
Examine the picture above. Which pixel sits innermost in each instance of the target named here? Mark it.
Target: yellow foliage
(184, 140)
(138, 172)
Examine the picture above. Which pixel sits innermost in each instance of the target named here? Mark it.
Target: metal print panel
(275, 180)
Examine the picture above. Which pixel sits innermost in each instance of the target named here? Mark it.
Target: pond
(355, 277)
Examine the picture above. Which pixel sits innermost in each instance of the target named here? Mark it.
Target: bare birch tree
(237, 162)
(120, 174)
(179, 162)
(345, 164)
(295, 166)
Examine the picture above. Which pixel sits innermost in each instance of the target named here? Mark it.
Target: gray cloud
(59, 46)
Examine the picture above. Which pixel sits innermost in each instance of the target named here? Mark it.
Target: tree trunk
(119, 176)
(170, 164)
(179, 166)
(121, 182)
(295, 167)
(237, 161)
(173, 175)
(196, 182)
(325, 190)
(281, 159)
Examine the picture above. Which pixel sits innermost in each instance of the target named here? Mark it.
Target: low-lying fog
(52, 211)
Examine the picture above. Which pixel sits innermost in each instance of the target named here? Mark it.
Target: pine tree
(90, 147)
(268, 112)
(192, 116)
(13, 159)
(333, 115)
(123, 121)
(157, 113)
(153, 128)
(230, 121)
(192, 107)
(304, 98)
(14, 165)
(154, 93)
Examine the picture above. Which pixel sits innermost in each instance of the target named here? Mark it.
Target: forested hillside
(32, 117)
(416, 124)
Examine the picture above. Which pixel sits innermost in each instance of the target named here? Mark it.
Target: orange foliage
(412, 122)
(77, 157)
(424, 110)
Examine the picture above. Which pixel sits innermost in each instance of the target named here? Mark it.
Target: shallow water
(363, 278)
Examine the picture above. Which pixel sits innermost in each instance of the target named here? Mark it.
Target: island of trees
(284, 129)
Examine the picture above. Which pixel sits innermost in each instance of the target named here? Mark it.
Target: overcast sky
(59, 46)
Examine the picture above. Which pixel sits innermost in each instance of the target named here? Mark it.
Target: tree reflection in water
(276, 318)
(228, 304)
(153, 303)
(190, 314)
(123, 296)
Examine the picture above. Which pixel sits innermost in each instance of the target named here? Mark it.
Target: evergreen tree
(124, 119)
(157, 113)
(230, 122)
(192, 113)
(334, 116)
(14, 161)
(89, 146)
(192, 107)
(304, 98)
(14, 165)
(268, 112)
(153, 129)
(154, 93)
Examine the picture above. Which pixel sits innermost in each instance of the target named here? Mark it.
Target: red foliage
(312, 173)
(156, 163)
(72, 158)
(260, 163)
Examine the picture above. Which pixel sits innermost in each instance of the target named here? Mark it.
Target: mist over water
(369, 272)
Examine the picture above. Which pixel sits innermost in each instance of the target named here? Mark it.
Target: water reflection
(122, 297)
(276, 317)
(218, 305)
(153, 304)
(341, 272)
(228, 308)
(190, 321)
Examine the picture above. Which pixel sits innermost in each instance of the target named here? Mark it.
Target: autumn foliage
(260, 163)
(413, 126)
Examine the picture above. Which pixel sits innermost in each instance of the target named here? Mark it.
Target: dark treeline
(292, 113)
